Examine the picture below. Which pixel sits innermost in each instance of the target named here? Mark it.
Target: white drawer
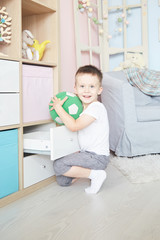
(56, 142)
(63, 142)
(9, 76)
(37, 142)
(9, 109)
(36, 168)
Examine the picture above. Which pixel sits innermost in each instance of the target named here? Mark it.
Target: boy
(93, 133)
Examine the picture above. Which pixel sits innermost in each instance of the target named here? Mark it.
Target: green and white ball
(73, 106)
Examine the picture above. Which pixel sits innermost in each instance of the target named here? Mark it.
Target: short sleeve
(93, 110)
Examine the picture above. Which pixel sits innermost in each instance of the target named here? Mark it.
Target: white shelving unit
(26, 87)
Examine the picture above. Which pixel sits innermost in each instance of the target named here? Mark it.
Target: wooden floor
(120, 211)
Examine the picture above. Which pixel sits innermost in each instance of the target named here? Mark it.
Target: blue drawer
(8, 162)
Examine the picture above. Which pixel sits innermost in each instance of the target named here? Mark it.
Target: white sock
(97, 178)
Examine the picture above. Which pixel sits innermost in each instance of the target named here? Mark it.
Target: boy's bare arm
(72, 124)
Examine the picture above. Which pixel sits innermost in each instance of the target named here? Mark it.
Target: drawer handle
(71, 139)
(43, 166)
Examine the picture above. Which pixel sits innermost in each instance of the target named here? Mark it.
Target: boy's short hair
(90, 69)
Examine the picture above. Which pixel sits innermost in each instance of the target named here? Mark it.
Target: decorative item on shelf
(39, 48)
(31, 49)
(72, 106)
(5, 26)
(27, 41)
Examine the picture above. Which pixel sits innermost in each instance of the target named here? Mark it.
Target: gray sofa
(134, 117)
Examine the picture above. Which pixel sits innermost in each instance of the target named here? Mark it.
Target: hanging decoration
(88, 7)
(120, 20)
(5, 26)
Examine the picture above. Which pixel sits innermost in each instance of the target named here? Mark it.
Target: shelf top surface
(36, 7)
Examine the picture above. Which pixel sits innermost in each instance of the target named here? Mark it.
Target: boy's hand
(56, 102)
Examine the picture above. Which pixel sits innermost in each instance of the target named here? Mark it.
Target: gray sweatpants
(81, 159)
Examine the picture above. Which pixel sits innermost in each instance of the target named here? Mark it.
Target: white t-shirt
(95, 137)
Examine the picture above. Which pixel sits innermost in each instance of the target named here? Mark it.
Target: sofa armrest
(119, 100)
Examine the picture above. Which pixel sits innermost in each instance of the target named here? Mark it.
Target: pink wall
(67, 43)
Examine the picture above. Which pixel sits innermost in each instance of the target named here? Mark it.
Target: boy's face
(87, 88)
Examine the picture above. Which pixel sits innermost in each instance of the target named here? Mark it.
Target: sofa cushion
(141, 98)
(148, 113)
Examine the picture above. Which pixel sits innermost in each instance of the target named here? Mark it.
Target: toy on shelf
(5, 26)
(72, 106)
(39, 48)
(27, 41)
(31, 49)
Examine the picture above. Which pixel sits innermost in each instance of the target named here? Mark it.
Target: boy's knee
(64, 181)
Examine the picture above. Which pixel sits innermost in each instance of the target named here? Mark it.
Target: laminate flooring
(120, 211)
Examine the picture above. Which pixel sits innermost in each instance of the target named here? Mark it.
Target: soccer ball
(72, 106)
